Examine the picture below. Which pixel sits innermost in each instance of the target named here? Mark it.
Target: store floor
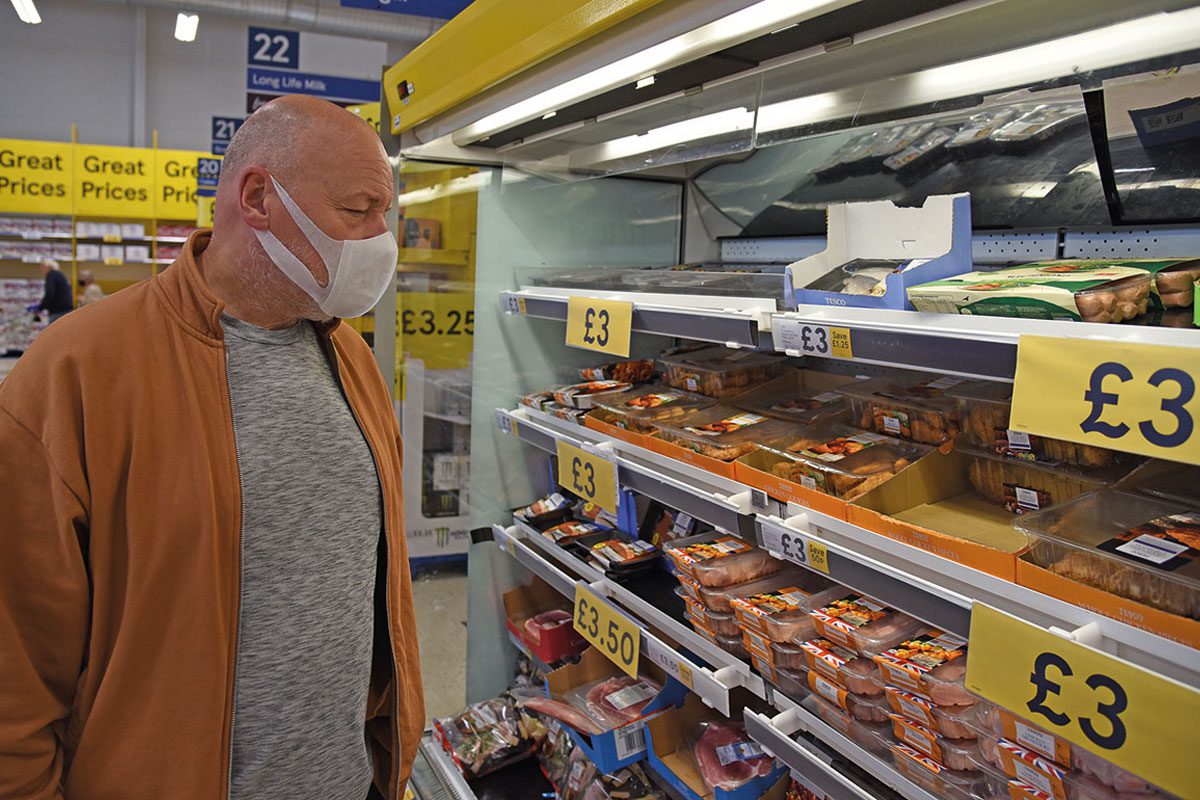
(441, 604)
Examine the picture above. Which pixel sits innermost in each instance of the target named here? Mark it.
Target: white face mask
(360, 270)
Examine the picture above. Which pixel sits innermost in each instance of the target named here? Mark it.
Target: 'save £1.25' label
(1140, 721)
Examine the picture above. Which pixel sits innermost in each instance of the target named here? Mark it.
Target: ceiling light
(186, 26)
(644, 82)
(27, 11)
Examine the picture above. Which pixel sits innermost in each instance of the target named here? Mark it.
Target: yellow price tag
(611, 633)
(1130, 716)
(113, 262)
(601, 325)
(112, 238)
(1137, 398)
(589, 476)
(804, 339)
(798, 549)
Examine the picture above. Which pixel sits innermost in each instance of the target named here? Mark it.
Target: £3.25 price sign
(587, 475)
(1137, 398)
(601, 325)
(1138, 720)
(611, 633)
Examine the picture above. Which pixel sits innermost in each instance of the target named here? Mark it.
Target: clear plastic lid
(984, 783)
(802, 396)
(781, 612)
(677, 281)
(733, 645)
(722, 598)
(1130, 545)
(719, 371)
(857, 673)
(614, 701)
(588, 393)
(979, 127)
(723, 624)
(913, 663)
(1181, 485)
(911, 405)
(953, 722)
(786, 655)
(725, 561)
(863, 624)
(1025, 486)
(722, 432)
(653, 403)
(956, 754)
(841, 461)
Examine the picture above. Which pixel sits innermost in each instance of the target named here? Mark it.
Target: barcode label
(631, 740)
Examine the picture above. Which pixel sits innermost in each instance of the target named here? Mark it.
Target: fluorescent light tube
(720, 123)
(27, 11)
(186, 26)
(644, 82)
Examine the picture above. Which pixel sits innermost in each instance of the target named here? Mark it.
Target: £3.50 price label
(601, 325)
(589, 476)
(798, 338)
(1134, 718)
(611, 633)
(1137, 398)
(797, 548)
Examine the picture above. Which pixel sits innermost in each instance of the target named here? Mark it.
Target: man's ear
(255, 185)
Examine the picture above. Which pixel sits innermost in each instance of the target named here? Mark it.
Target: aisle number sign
(600, 325)
(587, 475)
(1136, 398)
(35, 177)
(610, 632)
(1138, 720)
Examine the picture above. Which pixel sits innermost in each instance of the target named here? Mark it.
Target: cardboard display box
(938, 234)
(713, 465)
(601, 420)
(528, 601)
(932, 506)
(754, 469)
(625, 744)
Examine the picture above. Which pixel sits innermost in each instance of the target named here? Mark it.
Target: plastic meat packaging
(724, 562)
(841, 461)
(1038, 124)
(573, 529)
(721, 598)
(1136, 547)
(931, 663)
(955, 754)
(978, 128)
(727, 756)
(549, 510)
(485, 737)
(950, 784)
(911, 405)
(586, 395)
(719, 371)
(862, 624)
(857, 673)
(633, 371)
(615, 701)
(547, 622)
(623, 557)
(643, 409)
(874, 737)
(803, 396)
(1024, 486)
(722, 432)
(953, 722)
(558, 710)
(781, 614)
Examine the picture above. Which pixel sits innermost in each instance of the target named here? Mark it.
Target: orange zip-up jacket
(120, 529)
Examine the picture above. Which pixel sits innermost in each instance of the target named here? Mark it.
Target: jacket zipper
(393, 789)
(241, 554)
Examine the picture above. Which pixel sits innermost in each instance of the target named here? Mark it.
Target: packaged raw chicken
(724, 562)
(793, 683)
(720, 623)
(863, 624)
(857, 673)
(931, 661)
(911, 405)
(719, 371)
(615, 701)
(1110, 774)
(841, 461)
(803, 396)
(549, 510)
(485, 737)
(1025, 486)
(956, 754)
(722, 432)
(984, 408)
(587, 394)
(732, 645)
(728, 757)
(782, 614)
(953, 722)
(950, 784)
(1133, 546)
(1009, 726)
(642, 410)
(632, 371)
(721, 598)
(874, 737)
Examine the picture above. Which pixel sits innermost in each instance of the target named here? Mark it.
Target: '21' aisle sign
(1136, 398)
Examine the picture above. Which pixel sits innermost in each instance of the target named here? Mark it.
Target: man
(91, 290)
(204, 584)
(56, 296)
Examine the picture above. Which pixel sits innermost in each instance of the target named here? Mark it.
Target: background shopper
(91, 290)
(56, 295)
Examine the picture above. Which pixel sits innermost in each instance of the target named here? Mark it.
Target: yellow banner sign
(436, 327)
(601, 325)
(611, 633)
(1137, 398)
(175, 183)
(368, 111)
(114, 181)
(589, 476)
(1134, 718)
(35, 177)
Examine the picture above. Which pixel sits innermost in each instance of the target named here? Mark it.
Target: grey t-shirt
(311, 521)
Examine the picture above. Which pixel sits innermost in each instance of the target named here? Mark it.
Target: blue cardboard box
(626, 744)
(936, 236)
(669, 755)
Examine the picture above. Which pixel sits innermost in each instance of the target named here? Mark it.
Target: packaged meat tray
(1038, 124)
(932, 663)
(922, 153)
(792, 682)
(781, 613)
(547, 511)
(984, 408)
(621, 558)
(950, 784)
(718, 371)
(614, 701)
(861, 276)
(857, 673)
(631, 371)
(911, 405)
(1025, 486)
(722, 432)
(862, 624)
(1005, 724)
(679, 282)
(1043, 777)
(874, 737)
(841, 461)
(899, 138)
(567, 714)
(485, 737)
(538, 400)
(953, 722)
(726, 756)
(803, 396)
(1137, 547)
(724, 561)
(721, 624)
(642, 409)
(978, 128)
(956, 754)
(548, 625)
(573, 529)
(586, 395)
(721, 598)
(1091, 291)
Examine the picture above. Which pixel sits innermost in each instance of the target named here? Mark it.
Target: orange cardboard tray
(713, 465)
(595, 423)
(749, 470)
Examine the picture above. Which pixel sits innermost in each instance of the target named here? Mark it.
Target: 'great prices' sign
(113, 181)
(36, 177)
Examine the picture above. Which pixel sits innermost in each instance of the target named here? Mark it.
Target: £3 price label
(601, 325)
(1138, 720)
(797, 548)
(587, 475)
(1137, 398)
(798, 338)
(613, 634)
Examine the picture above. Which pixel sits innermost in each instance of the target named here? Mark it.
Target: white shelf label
(795, 547)
(795, 337)
(669, 661)
(504, 422)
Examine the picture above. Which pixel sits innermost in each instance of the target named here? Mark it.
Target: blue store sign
(438, 9)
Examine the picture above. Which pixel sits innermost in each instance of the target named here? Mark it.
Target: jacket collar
(182, 289)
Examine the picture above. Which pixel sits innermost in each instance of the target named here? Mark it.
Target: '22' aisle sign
(1136, 398)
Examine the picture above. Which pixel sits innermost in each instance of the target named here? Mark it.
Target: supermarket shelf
(712, 687)
(720, 502)
(453, 418)
(435, 776)
(732, 321)
(525, 651)
(984, 347)
(446, 258)
(34, 237)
